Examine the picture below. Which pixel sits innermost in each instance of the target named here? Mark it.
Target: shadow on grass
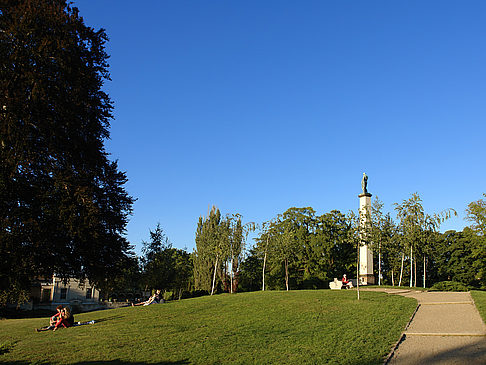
(119, 362)
(178, 362)
(12, 314)
(112, 362)
(6, 347)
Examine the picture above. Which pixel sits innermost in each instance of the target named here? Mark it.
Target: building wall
(73, 290)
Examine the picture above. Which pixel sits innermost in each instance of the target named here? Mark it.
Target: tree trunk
(424, 272)
(264, 263)
(393, 280)
(401, 270)
(287, 274)
(214, 275)
(357, 274)
(379, 265)
(415, 272)
(411, 265)
(231, 274)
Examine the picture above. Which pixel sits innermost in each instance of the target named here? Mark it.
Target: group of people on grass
(63, 318)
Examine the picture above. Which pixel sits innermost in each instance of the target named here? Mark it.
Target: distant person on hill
(53, 320)
(348, 284)
(154, 299)
(66, 320)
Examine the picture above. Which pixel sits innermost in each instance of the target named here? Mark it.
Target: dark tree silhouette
(63, 204)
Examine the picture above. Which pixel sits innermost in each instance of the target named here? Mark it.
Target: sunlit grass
(262, 327)
(403, 287)
(480, 301)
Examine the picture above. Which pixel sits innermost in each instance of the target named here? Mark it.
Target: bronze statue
(364, 183)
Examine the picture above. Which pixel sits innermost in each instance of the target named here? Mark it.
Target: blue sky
(258, 106)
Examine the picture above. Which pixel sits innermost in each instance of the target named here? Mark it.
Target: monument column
(365, 254)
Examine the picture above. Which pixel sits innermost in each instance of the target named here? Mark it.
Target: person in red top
(348, 284)
(66, 319)
(53, 320)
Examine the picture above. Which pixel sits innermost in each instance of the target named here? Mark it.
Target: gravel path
(446, 329)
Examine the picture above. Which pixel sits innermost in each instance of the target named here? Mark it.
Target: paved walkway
(446, 329)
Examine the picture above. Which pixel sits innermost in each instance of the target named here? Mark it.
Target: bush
(314, 283)
(168, 295)
(449, 286)
(195, 293)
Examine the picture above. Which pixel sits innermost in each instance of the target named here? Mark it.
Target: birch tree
(377, 231)
(263, 244)
(237, 234)
(355, 236)
(414, 226)
(284, 251)
(476, 213)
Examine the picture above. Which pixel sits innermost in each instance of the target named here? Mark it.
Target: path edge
(476, 307)
(402, 337)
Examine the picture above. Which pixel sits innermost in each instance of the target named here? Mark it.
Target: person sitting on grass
(154, 299)
(66, 319)
(348, 284)
(53, 320)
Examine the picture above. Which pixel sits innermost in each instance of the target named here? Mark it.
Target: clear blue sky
(258, 106)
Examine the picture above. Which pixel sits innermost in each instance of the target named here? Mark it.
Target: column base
(367, 279)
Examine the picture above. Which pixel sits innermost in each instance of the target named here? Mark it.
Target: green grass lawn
(403, 287)
(480, 301)
(314, 327)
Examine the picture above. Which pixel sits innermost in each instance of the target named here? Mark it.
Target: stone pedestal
(366, 275)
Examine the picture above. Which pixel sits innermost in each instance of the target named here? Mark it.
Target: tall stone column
(365, 254)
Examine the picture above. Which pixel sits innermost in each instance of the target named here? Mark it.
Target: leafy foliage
(251, 271)
(127, 282)
(220, 243)
(158, 242)
(164, 267)
(459, 256)
(449, 286)
(64, 208)
(305, 250)
(476, 213)
(417, 230)
(208, 250)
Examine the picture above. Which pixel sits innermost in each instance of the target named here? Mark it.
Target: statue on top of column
(364, 183)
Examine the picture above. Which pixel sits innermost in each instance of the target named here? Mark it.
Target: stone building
(80, 295)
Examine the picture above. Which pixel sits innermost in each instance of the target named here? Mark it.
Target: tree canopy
(64, 206)
(476, 213)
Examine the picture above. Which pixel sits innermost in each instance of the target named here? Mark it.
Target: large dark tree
(63, 204)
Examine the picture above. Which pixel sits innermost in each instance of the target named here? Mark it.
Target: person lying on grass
(66, 319)
(53, 320)
(154, 299)
(348, 284)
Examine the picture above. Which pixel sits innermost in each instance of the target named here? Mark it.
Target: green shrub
(194, 294)
(449, 286)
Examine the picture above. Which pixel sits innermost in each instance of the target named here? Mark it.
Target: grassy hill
(293, 327)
